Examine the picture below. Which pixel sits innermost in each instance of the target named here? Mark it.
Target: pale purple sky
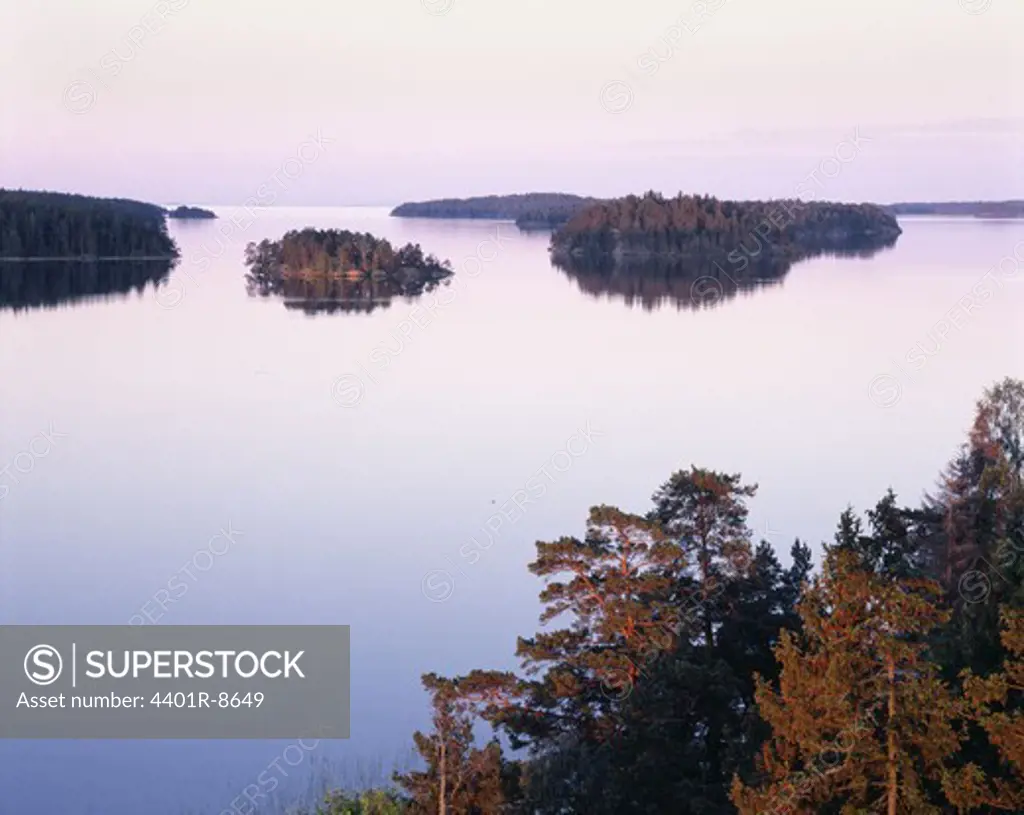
(431, 98)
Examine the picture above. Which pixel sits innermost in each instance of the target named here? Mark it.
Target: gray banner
(174, 682)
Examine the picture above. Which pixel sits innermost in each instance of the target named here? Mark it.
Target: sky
(374, 102)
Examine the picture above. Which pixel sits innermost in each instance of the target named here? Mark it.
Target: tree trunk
(893, 776)
(442, 795)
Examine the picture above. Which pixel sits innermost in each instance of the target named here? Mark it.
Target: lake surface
(351, 455)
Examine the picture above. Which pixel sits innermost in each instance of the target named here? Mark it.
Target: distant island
(534, 210)
(58, 226)
(338, 270)
(552, 210)
(190, 213)
(976, 209)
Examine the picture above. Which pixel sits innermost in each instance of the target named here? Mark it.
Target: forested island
(681, 668)
(190, 213)
(49, 225)
(337, 270)
(691, 225)
(698, 251)
(534, 210)
(975, 209)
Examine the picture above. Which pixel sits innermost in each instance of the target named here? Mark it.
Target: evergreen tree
(893, 547)
(459, 779)
(861, 722)
(706, 515)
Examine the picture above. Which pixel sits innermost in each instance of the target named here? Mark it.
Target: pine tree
(705, 513)
(459, 779)
(893, 547)
(615, 584)
(860, 721)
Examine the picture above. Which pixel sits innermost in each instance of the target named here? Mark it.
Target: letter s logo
(43, 665)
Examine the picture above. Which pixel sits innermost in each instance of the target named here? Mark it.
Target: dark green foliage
(56, 225)
(643, 701)
(894, 545)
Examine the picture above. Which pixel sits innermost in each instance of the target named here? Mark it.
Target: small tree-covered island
(185, 213)
(334, 269)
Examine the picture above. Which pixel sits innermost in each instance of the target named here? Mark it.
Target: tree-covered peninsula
(49, 225)
(335, 269)
(528, 210)
(185, 213)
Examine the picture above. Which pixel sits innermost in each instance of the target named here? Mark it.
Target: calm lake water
(352, 455)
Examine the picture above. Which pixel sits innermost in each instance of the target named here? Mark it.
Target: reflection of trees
(687, 281)
(47, 284)
(323, 294)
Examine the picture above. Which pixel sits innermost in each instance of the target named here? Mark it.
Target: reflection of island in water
(52, 283)
(337, 271)
(344, 295)
(687, 282)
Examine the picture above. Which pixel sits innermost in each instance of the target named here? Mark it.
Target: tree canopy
(681, 668)
(334, 269)
(701, 225)
(58, 225)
